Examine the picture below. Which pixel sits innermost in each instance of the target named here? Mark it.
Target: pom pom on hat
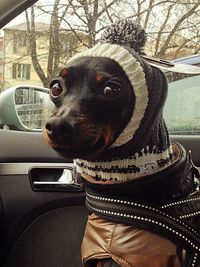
(125, 32)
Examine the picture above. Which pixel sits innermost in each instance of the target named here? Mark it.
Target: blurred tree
(55, 50)
(172, 27)
(81, 18)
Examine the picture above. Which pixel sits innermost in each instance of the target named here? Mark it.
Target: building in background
(19, 69)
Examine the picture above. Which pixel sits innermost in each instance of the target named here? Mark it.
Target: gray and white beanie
(143, 147)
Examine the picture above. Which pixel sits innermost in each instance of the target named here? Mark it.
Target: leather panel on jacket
(126, 245)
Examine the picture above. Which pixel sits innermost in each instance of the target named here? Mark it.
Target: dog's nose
(57, 128)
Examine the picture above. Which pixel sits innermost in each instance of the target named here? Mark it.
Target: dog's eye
(56, 90)
(112, 90)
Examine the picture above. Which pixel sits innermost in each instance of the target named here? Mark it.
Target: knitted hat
(143, 147)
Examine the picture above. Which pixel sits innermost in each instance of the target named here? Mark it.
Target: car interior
(43, 220)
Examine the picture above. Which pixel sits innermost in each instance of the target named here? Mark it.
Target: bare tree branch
(151, 2)
(159, 34)
(32, 40)
(173, 31)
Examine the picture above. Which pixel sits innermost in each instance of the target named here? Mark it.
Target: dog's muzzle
(77, 136)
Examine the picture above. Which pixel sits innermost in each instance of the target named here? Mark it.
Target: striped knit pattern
(120, 170)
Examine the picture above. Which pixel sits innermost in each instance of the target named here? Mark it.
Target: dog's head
(94, 101)
(109, 99)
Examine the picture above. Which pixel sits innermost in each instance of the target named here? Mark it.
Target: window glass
(38, 43)
(182, 109)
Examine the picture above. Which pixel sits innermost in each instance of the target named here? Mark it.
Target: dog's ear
(63, 72)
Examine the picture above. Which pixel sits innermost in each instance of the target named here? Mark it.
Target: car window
(182, 109)
(36, 45)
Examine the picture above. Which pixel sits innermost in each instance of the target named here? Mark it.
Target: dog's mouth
(85, 151)
(88, 149)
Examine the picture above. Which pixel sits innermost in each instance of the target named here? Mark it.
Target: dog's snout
(58, 127)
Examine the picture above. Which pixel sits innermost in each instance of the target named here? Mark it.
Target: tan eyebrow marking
(99, 77)
(64, 72)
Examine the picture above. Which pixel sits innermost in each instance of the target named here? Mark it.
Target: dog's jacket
(126, 245)
(106, 237)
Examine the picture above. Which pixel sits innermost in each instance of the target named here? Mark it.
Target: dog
(108, 117)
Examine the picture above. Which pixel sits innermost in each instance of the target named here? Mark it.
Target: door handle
(54, 179)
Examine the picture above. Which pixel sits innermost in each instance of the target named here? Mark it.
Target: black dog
(108, 117)
(94, 101)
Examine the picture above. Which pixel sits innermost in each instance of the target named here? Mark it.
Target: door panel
(38, 228)
(19, 146)
(53, 239)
